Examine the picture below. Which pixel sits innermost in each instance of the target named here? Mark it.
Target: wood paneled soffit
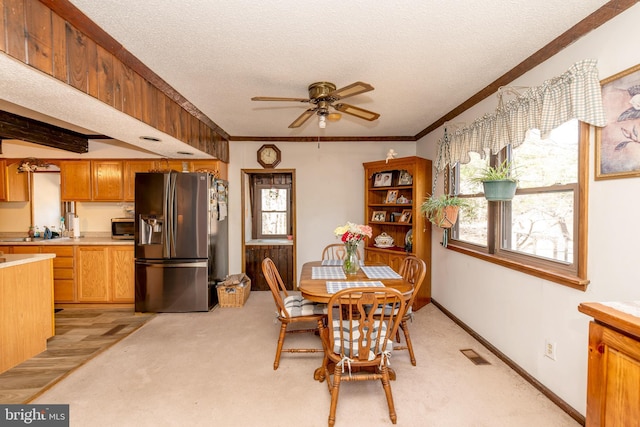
(56, 38)
(17, 127)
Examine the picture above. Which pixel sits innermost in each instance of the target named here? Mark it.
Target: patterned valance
(575, 94)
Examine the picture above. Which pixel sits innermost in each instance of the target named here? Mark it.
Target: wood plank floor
(81, 334)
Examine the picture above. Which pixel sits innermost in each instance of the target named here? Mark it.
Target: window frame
(575, 276)
(258, 187)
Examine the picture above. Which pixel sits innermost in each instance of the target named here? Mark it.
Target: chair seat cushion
(298, 306)
(387, 310)
(379, 328)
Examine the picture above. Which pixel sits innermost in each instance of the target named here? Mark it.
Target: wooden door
(132, 167)
(75, 180)
(92, 273)
(121, 266)
(107, 180)
(613, 386)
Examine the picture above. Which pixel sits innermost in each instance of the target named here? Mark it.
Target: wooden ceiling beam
(34, 131)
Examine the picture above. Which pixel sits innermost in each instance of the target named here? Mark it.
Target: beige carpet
(216, 369)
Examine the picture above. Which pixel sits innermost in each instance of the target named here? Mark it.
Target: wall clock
(269, 156)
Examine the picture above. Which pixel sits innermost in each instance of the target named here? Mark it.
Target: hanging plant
(442, 211)
(498, 181)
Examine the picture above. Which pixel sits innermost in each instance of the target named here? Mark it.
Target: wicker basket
(234, 291)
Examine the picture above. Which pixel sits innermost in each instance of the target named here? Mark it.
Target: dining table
(316, 275)
(319, 280)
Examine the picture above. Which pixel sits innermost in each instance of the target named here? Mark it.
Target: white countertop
(17, 259)
(89, 240)
(269, 242)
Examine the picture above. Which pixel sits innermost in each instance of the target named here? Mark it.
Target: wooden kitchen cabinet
(64, 289)
(131, 167)
(14, 185)
(105, 274)
(75, 180)
(282, 256)
(107, 182)
(121, 267)
(92, 273)
(613, 380)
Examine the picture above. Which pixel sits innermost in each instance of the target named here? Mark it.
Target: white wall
(329, 188)
(517, 312)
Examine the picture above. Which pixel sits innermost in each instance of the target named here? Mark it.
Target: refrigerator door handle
(173, 265)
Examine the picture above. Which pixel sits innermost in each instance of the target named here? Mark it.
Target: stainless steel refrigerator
(181, 241)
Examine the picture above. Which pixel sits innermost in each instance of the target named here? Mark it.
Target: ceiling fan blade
(273, 98)
(357, 111)
(303, 118)
(351, 90)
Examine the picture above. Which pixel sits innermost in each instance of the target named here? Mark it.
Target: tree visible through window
(273, 213)
(540, 227)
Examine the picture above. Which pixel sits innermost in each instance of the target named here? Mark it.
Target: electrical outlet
(550, 349)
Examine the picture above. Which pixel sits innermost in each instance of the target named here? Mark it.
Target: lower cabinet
(613, 380)
(393, 260)
(282, 256)
(105, 274)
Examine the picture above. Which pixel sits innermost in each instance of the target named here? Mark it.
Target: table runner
(380, 272)
(335, 262)
(333, 287)
(327, 273)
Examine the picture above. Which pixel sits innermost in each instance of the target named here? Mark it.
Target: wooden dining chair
(413, 270)
(336, 251)
(357, 343)
(291, 309)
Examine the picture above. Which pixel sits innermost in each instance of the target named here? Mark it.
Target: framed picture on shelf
(379, 216)
(616, 155)
(383, 179)
(406, 216)
(405, 178)
(392, 196)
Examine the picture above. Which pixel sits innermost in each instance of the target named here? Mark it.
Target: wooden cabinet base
(26, 311)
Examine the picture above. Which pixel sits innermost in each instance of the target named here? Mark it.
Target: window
(273, 218)
(542, 230)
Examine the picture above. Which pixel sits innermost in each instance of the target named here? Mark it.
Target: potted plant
(442, 211)
(498, 181)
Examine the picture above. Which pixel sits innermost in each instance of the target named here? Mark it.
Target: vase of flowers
(351, 235)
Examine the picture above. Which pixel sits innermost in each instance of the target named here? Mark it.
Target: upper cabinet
(107, 182)
(114, 180)
(131, 167)
(75, 180)
(14, 185)
(394, 191)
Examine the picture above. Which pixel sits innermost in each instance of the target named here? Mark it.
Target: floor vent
(474, 357)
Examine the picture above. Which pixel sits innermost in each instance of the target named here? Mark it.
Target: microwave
(122, 228)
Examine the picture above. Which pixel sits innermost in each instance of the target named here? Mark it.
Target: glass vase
(351, 264)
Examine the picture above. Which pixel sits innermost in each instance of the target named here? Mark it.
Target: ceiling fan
(323, 96)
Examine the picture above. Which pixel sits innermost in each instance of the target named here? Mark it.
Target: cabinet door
(92, 273)
(17, 184)
(122, 267)
(107, 180)
(395, 261)
(3, 180)
(375, 256)
(613, 386)
(75, 180)
(131, 167)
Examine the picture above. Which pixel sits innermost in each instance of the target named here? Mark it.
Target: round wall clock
(269, 156)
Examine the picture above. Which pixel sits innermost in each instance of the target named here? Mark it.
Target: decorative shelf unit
(385, 184)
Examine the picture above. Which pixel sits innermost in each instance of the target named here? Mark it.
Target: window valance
(574, 94)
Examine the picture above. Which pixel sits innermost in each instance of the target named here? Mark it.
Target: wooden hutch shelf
(406, 179)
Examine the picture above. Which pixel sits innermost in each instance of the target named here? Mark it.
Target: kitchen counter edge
(82, 241)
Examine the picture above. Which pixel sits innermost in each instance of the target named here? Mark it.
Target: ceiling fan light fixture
(334, 117)
(322, 123)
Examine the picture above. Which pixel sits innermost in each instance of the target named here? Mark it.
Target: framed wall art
(618, 143)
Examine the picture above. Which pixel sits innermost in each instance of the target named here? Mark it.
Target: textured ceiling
(423, 57)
